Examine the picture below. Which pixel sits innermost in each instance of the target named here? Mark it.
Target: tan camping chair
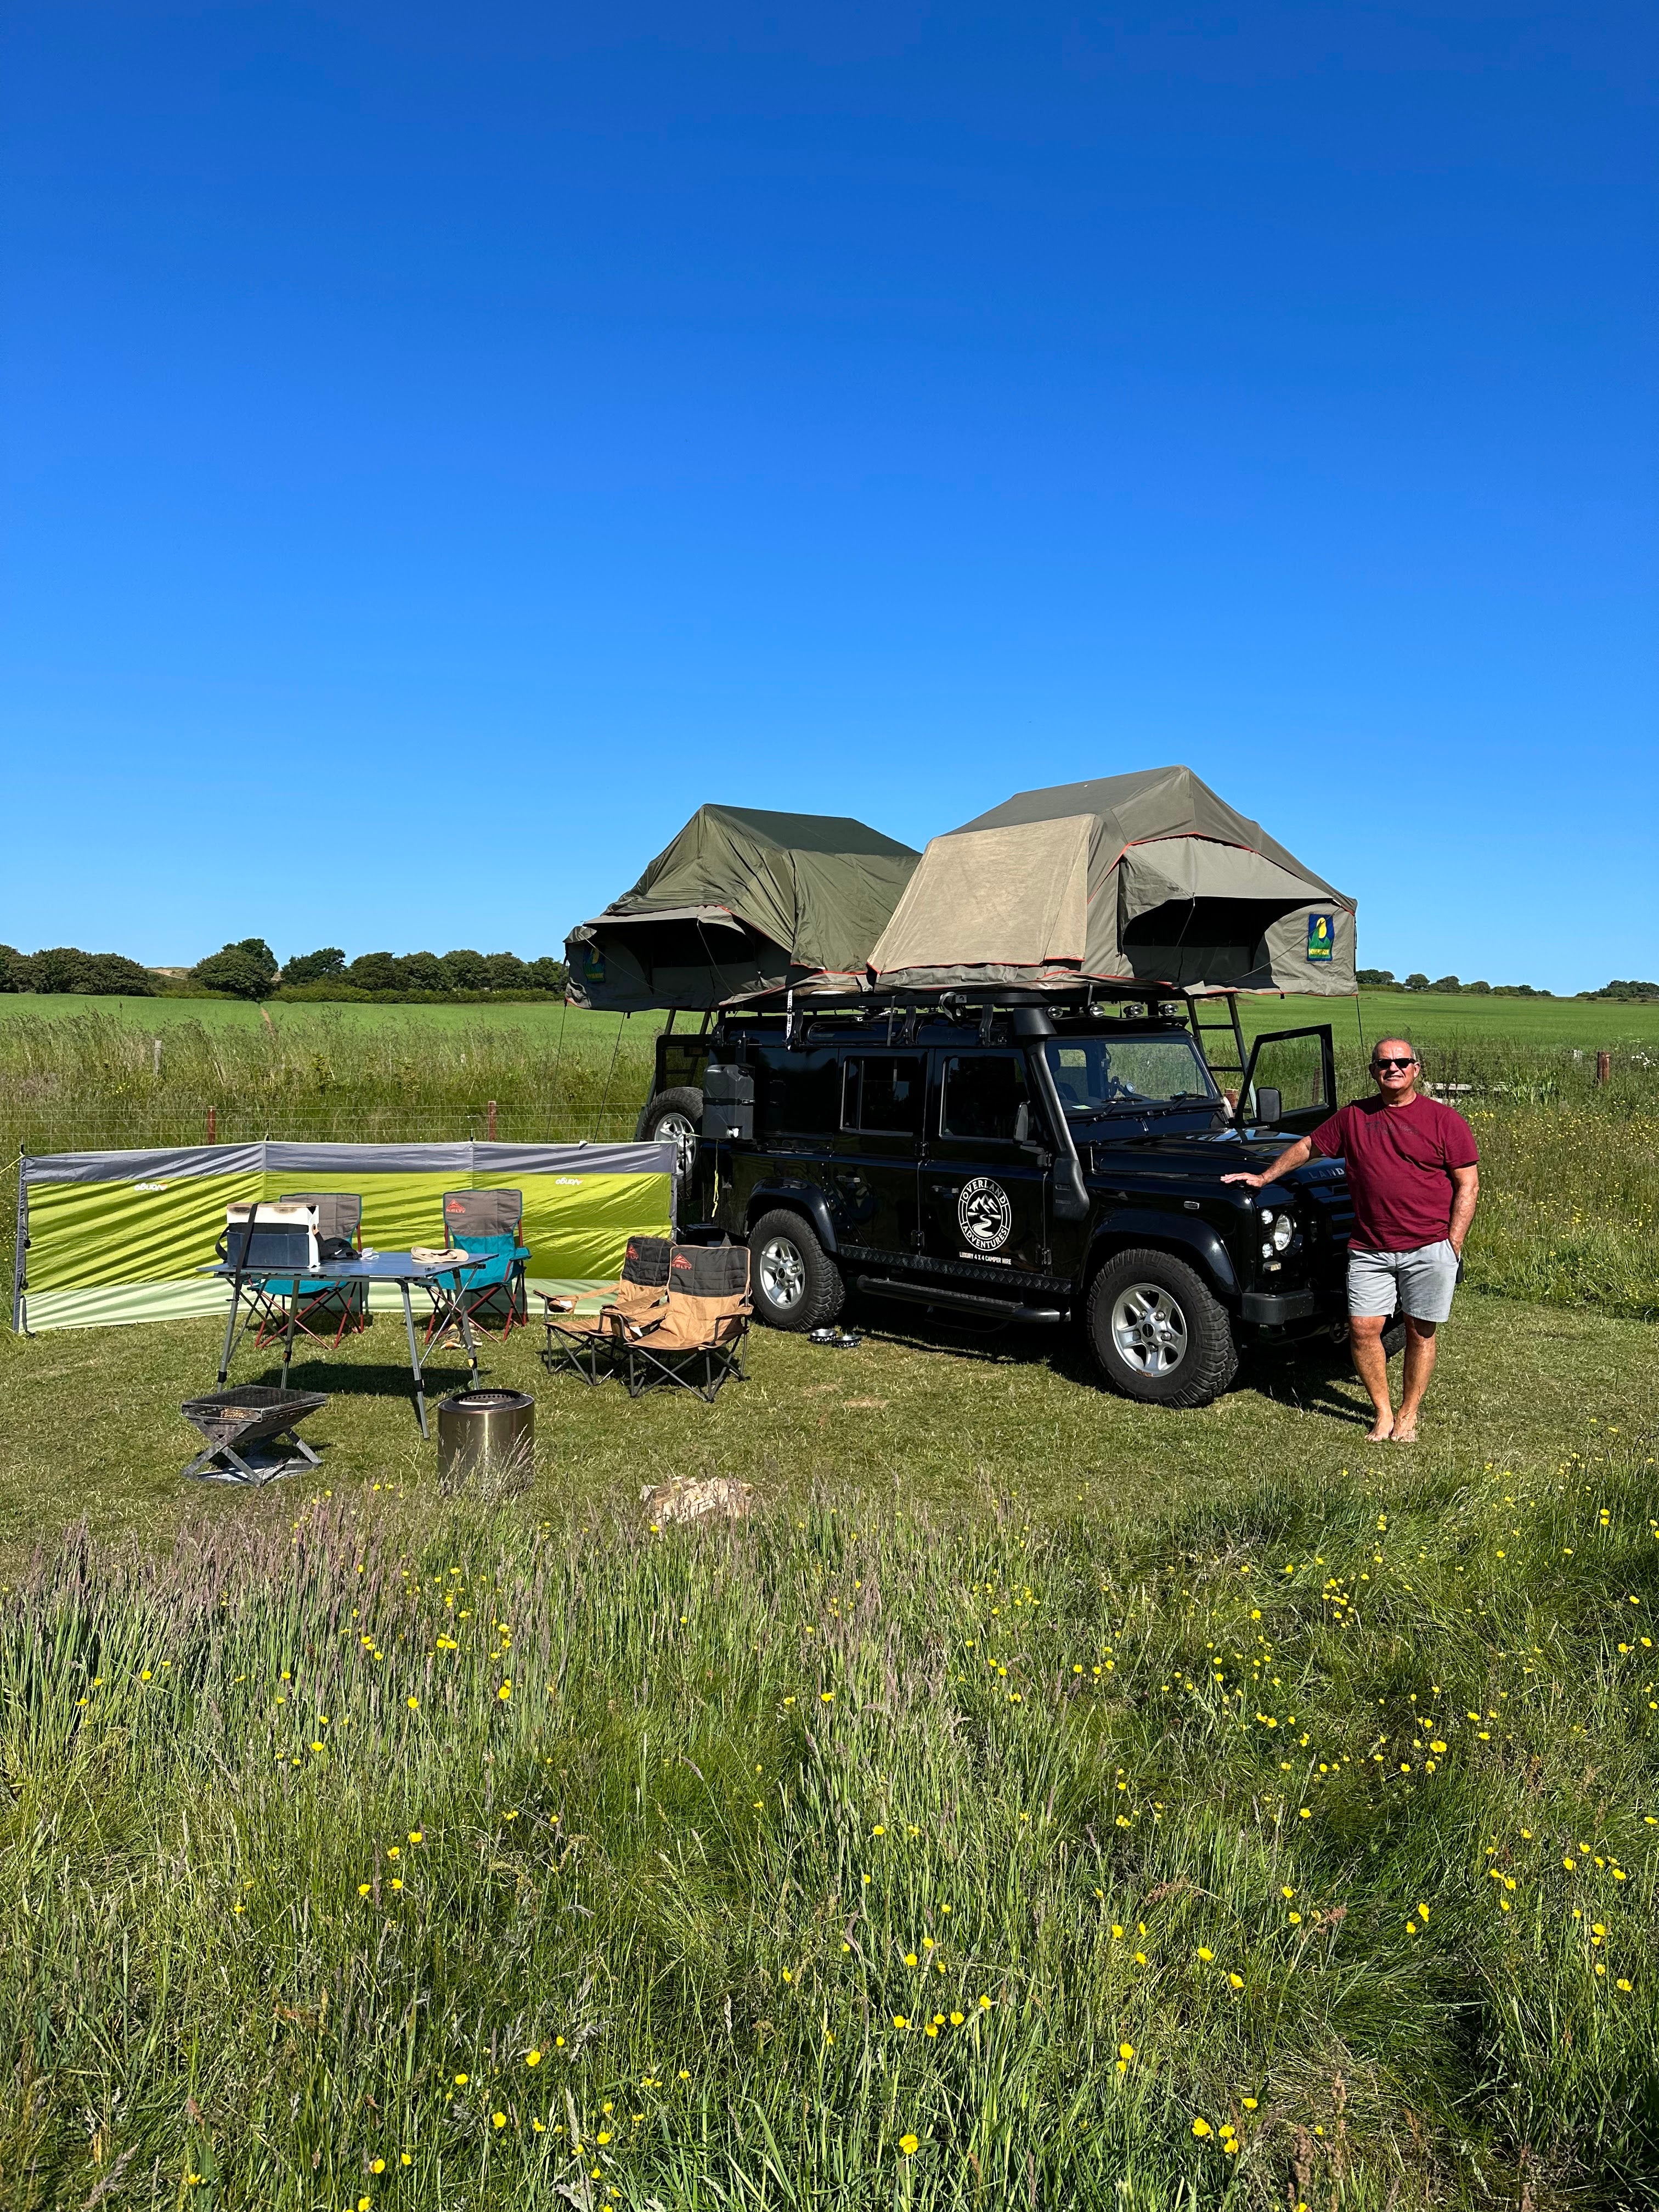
(584, 1334)
(696, 1340)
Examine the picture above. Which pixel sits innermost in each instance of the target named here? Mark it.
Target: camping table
(400, 1267)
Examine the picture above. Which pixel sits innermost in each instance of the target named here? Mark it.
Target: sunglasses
(1387, 1061)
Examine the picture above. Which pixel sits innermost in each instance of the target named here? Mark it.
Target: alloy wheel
(1149, 1329)
(782, 1272)
(681, 1132)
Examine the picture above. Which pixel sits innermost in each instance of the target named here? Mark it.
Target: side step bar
(922, 1294)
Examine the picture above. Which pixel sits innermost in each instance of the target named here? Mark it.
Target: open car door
(1290, 1080)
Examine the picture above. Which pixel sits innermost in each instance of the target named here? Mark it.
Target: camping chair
(320, 1306)
(485, 1223)
(697, 1340)
(585, 1334)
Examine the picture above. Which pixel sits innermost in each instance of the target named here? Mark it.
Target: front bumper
(1273, 1309)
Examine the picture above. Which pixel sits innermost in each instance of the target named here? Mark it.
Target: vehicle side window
(883, 1094)
(799, 1092)
(985, 1098)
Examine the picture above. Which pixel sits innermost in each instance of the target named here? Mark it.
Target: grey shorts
(1418, 1283)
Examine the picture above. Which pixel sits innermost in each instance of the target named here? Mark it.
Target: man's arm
(1293, 1156)
(1465, 1190)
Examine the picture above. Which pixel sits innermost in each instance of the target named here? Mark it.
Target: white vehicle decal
(984, 1214)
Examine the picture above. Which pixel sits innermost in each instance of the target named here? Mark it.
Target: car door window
(799, 1091)
(985, 1099)
(883, 1094)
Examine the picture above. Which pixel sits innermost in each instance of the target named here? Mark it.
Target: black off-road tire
(782, 1244)
(1192, 1314)
(679, 1106)
(1393, 1338)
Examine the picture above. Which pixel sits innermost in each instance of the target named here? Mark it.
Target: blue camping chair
(321, 1309)
(486, 1223)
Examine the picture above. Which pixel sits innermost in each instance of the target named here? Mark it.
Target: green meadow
(1037, 1800)
(1572, 1196)
(1465, 1017)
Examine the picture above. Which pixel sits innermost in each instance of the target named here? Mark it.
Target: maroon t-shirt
(1400, 1161)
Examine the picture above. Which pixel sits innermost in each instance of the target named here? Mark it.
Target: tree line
(1384, 978)
(250, 969)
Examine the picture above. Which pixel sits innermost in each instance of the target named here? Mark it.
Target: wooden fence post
(490, 1121)
(1604, 1067)
(213, 1125)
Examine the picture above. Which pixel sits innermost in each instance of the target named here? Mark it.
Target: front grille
(1329, 1225)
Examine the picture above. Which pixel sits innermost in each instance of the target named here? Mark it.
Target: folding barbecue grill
(235, 1422)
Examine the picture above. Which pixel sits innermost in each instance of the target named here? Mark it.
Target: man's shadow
(1308, 1380)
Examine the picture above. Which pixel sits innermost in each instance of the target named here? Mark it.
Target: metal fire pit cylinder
(481, 1431)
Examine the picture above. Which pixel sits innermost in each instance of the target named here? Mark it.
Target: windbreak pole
(19, 1304)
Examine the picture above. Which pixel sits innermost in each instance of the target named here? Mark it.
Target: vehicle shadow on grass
(997, 1343)
(1305, 1381)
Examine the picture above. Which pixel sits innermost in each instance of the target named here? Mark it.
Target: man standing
(1414, 1177)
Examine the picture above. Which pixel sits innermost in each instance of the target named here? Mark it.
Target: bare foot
(1405, 1433)
(1382, 1429)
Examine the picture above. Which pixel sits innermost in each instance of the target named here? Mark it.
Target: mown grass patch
(1304, 1837)
(90, 1426)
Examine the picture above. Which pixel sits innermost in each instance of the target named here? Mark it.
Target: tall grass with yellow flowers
(1303, 1848)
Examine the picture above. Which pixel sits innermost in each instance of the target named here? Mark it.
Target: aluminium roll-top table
(400, 1267)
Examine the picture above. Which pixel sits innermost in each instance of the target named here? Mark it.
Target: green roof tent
(1149, 880)
(105, 1237)
(741, 903)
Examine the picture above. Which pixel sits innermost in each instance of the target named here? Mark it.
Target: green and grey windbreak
(105, 1237)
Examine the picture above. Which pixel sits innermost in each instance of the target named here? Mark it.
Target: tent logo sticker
(984, 1214)
(1321, 937)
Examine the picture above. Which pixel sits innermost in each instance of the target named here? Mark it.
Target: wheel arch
(1196, 1243)
(793, 1198)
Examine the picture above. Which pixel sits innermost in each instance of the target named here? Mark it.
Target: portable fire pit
(236, 1421)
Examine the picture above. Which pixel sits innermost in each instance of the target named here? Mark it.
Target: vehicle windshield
(1096, 1073)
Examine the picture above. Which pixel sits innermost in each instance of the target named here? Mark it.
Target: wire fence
(237, 1124)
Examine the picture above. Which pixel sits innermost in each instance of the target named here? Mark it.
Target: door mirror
(1268, 1103)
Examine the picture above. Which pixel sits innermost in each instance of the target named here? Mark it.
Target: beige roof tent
(1149, 878)
(741, 903)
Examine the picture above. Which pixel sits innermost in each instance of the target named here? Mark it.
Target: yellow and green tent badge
(1321, 937)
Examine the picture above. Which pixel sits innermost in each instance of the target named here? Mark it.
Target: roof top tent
(1148, 882)
(741, 903)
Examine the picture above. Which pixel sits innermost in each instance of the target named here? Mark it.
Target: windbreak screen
(116, 1236)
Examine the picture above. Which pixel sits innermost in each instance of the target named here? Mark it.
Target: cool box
(281, 1236)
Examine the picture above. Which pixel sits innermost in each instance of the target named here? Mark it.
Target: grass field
(1586, 1024)
(150, 1015)
(1573, 1189)
(1041, 1800)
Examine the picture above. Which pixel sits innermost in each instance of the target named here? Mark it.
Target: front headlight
(1283, 1230)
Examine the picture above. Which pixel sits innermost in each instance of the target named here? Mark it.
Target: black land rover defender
(1041, 1161)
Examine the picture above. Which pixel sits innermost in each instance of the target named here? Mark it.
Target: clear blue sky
(440, 433)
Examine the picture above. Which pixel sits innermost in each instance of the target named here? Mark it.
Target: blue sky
(461, 441)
